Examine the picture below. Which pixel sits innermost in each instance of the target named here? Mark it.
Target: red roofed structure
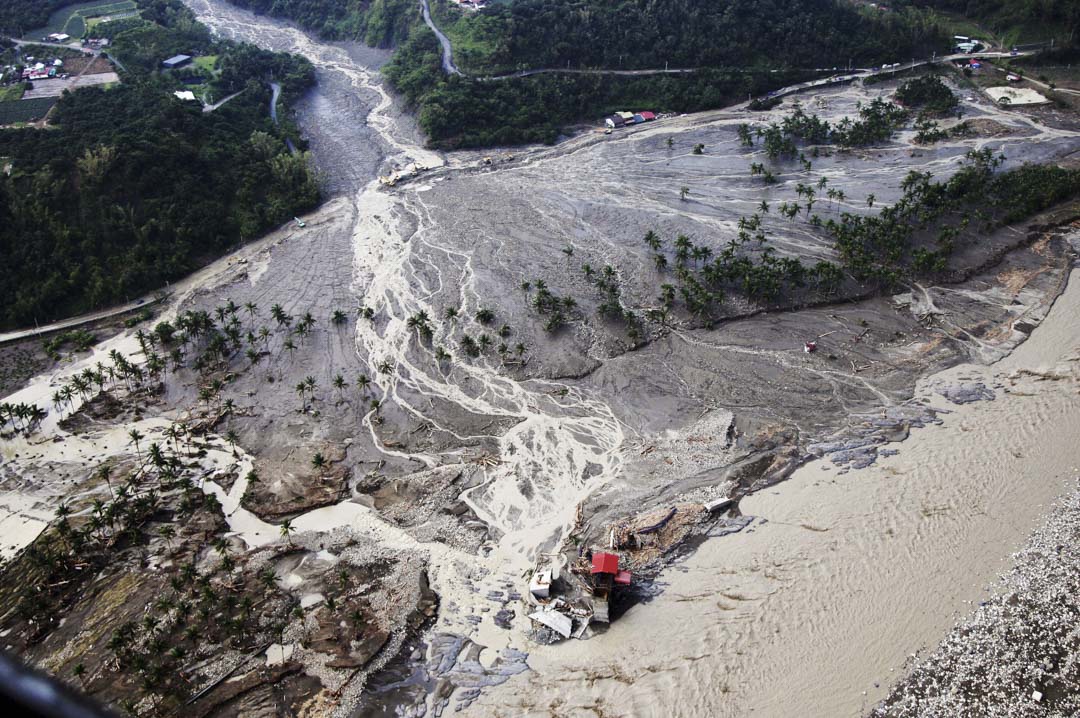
(605, 563)
(647, 116)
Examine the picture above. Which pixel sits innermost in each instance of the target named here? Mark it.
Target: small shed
(626, 116)
(614, 121)
(638, 119)
(647, 116)
(176, 61)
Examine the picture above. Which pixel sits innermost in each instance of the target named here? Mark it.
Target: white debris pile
(1018, 654)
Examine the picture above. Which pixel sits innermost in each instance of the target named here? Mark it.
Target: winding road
(447, 50)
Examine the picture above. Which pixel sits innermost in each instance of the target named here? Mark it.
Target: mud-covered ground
(414, 468)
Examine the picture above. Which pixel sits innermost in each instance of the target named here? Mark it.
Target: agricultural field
(74, 19)
(13, 112)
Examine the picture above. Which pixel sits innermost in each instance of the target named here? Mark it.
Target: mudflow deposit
(364, 545)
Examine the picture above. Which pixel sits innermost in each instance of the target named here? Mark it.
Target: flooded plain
(472, 473)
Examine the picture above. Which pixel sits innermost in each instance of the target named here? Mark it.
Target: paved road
(219, 103)
(78, 321)
(447, 51)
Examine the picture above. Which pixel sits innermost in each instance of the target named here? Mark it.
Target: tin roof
(605, 563)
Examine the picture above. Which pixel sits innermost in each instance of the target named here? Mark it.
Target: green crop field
(206, 62)
(72, 19)
(25, 110)
(10, 93)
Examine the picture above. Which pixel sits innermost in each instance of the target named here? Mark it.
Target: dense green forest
(19, 16)
(462, 112)
(636, 34)
(1031, 19)
(132, 187)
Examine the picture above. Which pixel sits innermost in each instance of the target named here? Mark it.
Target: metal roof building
(176, 61)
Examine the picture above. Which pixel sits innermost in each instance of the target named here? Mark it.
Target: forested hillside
(132, 187)
(1030, 19)
(19, 16)
(635, 34)
(742, 47)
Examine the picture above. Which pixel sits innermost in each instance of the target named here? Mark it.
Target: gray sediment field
(478, 468)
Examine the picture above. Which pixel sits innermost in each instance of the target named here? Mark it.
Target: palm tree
(318, 462)
(450, 313)
(486, 316)
(683, 192)
(338, 317)
(251, 308)
(268, 577)
(301, 390)
(339, 384)
(103, 473)
(278, 315)
(764, 207)
(568, 250)
(870, 200)
(135, 437)
(287, 531)
(362, 382)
